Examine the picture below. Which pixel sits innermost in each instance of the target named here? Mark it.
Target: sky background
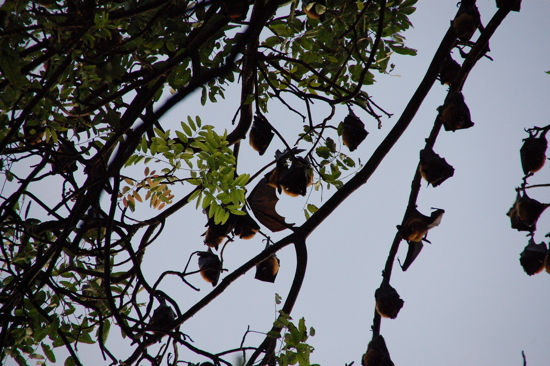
(467, 299)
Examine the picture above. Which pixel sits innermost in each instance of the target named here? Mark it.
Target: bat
(414, 229)
(314, 9)
(449, 70)
(235, 9)
(215, 233)
(267, 269)
(454, 113)
(163, 317)
(377, 353)
(33, 132)
(467, 20)
(262, 201)
(525, 213)
(388, 302)
(532, 259)
(295, 180)
(514, 5)
(433, 168)
(63, 160)
(245, 227)
(261, 134)
(353, 132)
(533, 153)
(210, 266)
(274, 176)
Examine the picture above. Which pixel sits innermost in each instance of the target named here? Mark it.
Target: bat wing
(415, 247)
(262, 201)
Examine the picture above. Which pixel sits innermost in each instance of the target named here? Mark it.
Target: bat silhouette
(262, 201)
(64, 159)
(267, 269)
(532, 259)
(388, 302)
(533, 153)
(377, 353)
(215, 233)
(525, 213)
(449, 70)
(353, 131)
(454, 113)
(235, 9)
(245, 227)
(210, 266)
(163, 317)
(295, 180)
(414, 230)
(433, 168)
(260, 135)
(467, 20)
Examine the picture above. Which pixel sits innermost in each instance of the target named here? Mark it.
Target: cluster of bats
(526, 211)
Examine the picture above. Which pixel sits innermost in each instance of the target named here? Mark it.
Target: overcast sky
(467, 300)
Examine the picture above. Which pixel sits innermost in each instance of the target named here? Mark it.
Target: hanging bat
(449, 70)
(297, 178)
(533, 153)
(262, 201)
(467, 20)
(532, 259)
(260, 135)
(454, 113)
(267, 269)
(414, 229)
(33, 132)
(388, 302)
(235, 9)
(163, 317)
(353, 131)
(210, 267)
(514, 5)
(215, 233)
(64, 159)
(314, 9)
(245, 227)
(525, 213)
(377, 353)
(433, 168)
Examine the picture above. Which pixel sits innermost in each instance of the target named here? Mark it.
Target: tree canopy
(94, 175)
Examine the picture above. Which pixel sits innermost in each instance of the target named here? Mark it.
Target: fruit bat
(295, 180)
(414, 229)
(533, 257)
(245, 227)
(353, 131)
(235, 9)
(260, 135)
(454, 113)
(467, 20)
(533, 153)
(267, 269)
(525, 213)
(33, 132)
(433, 168)
(63, 160)
(210, 266)
(262, 201)
(215, 233)
(163, 317)
(515, 5)
(314, 9)
(449, 70)
(388, 302)
(377, 353)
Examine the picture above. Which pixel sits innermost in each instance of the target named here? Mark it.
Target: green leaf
(48, 352)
